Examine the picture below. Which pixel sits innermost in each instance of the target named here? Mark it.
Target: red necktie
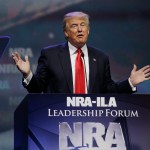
(79, 74)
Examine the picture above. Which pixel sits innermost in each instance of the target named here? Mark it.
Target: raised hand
(141, 75)
(23, 66)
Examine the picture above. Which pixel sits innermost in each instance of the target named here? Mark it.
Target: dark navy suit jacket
(54, 73)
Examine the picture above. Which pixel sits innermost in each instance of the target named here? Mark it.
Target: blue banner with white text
(88, 122)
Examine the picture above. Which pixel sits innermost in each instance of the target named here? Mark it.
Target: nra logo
(91, 136)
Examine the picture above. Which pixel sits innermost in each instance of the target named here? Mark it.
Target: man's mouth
(80, 35)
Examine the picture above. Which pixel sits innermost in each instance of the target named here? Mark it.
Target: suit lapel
(65, 61)
(92, 68)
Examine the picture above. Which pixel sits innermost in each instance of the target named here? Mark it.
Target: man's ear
(89, 30)
(66, 34)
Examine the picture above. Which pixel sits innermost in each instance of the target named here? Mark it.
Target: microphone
(82, 55)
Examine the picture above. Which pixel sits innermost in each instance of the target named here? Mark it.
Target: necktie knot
(79, 51)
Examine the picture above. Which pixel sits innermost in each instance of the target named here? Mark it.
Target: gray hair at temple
(75, 14)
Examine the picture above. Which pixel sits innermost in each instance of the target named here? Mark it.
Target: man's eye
(83, 25)
(74, 26)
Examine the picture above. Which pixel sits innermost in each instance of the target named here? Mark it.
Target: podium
(40, 119)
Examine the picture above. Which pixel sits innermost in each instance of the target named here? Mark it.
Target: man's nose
(79, 28)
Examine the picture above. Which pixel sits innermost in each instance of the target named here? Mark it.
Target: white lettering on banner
(91, 136)
(8, 68)
(92, 113)
(22, 51)
(121, 113)
(87, 102)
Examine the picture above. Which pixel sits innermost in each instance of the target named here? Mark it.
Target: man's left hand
(141, 75)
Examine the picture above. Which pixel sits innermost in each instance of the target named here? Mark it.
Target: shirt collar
(73, 49)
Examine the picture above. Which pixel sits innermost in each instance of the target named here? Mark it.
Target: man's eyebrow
(77, 23)
(74, 24)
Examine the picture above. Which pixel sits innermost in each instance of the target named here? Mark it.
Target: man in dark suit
(57, 65)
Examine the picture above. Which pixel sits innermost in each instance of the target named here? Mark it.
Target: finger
(147, 78)
(145, 68)
(26, 58)
(147, 75)
(134, 68)
(147, 71)
(17, 55)
(15, 58)
(13, 54)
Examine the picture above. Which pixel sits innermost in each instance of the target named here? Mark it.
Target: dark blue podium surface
(40, 120)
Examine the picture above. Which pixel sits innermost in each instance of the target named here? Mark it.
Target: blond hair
(74, 14)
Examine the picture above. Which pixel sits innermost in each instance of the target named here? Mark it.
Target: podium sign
(82, 122)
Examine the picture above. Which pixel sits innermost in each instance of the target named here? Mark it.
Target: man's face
(77, 30)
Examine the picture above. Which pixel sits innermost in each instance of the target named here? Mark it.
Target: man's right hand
(23, 66)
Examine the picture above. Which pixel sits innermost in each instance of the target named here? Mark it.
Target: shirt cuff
(132, 87)
(27, 80)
